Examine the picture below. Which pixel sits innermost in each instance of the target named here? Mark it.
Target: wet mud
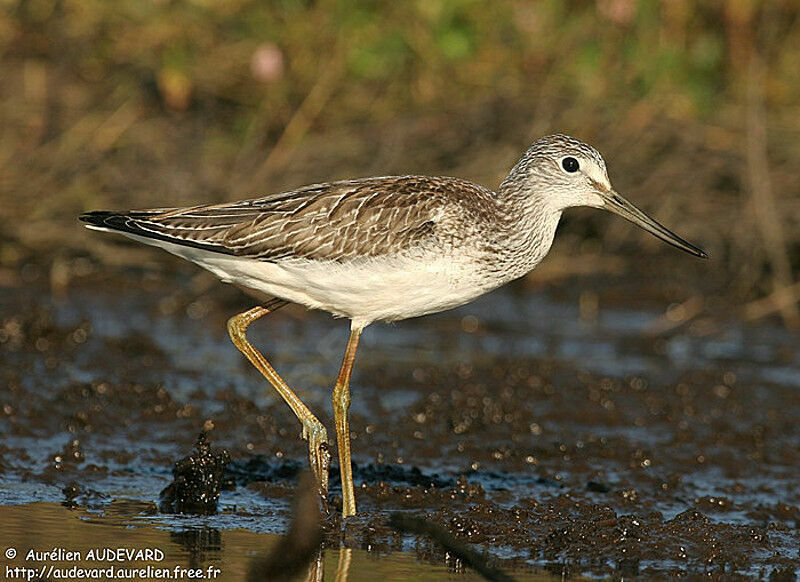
(197, 481)
(609, 442)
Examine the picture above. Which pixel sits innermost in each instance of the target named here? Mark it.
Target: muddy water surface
(560, 440)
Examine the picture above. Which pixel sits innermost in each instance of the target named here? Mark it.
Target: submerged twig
(472, 558)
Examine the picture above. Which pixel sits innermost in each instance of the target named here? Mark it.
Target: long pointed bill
(618, 205)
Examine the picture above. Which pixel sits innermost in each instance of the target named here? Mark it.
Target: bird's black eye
(570, 164)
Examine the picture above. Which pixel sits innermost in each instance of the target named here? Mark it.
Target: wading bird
(381, 249)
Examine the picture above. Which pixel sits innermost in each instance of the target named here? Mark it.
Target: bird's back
(335, 221)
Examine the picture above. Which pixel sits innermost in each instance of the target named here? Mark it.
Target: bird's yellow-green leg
(341, 404)
(313, 430)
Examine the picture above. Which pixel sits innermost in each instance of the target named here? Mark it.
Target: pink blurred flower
(619, 12)
(266, 64)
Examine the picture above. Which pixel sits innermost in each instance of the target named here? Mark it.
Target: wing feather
(333, 221)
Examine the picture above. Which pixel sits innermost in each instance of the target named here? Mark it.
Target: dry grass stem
(773, 303)
(301, 121)
(764, 205)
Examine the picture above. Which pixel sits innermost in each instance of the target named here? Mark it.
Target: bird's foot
(319, 456)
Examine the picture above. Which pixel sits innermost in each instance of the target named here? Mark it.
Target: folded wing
(333, 221)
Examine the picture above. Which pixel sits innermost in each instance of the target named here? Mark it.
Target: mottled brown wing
(333, 221)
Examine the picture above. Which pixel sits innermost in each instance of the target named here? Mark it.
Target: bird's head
(564, 172)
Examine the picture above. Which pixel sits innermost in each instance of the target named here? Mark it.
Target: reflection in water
(343, 569)
(201, 544)
(45, 526)
(316, 571)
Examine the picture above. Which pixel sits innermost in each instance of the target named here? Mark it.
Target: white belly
(364, 290)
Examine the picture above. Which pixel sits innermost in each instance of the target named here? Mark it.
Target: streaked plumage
(334, 221)
(382, 248)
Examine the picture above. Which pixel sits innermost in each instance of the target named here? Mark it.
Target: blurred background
(139, 103)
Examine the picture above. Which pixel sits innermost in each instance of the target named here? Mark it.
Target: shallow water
(75, 539)
(560, 445)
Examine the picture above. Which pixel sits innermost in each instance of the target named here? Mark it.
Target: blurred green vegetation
(158, 102)
(197, 54)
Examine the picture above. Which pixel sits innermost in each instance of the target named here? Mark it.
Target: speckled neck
(526, 230)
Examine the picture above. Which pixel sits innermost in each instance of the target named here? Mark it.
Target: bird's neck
(529, 228)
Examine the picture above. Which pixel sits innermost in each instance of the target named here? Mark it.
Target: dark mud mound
(197, 481)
